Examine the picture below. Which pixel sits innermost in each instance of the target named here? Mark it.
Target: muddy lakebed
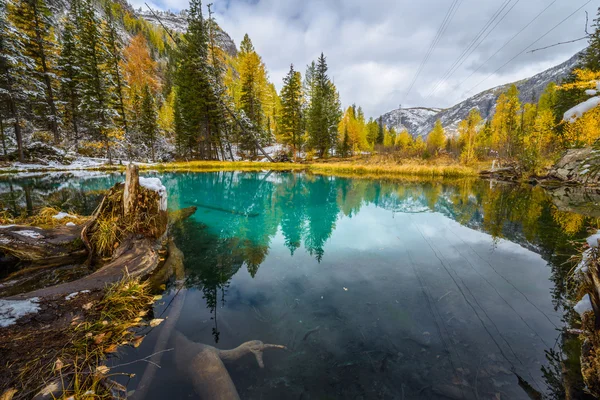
(378, 289)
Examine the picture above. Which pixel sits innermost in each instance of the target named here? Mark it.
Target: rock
(576, 166)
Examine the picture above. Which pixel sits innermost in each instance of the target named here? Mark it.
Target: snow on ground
(31, 234)
(156, 185)
(80, 163)
(70, 224)
(62, 215)
(12, 310)
(583, 264)
(75, 294)
(593, 240)
(585, 304)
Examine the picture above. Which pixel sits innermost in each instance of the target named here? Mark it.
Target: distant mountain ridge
(530, 90)
(409, 118)
(178, 23)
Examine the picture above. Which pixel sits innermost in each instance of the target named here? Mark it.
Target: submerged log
(204, 365)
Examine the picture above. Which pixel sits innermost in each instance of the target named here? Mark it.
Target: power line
(504, 45)
(526, 48)
(441, 30)
(475, 43)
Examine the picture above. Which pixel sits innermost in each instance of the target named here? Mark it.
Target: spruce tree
(195, 100)
(92, 61)
(14, 80)
(69, 71)
(380, 132)
(324, 110)
(591, 55)
(147, 120)
(291, 112)
(33, 20)
(114, 57)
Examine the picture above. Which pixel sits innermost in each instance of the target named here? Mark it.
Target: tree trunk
(132, 185)
(47, 81)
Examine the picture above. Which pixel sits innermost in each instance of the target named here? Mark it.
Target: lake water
(379, 289)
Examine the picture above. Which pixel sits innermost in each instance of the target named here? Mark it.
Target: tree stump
(132, 188)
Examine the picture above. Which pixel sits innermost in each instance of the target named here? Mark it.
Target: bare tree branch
(558, 44)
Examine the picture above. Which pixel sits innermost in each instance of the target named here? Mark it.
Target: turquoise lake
(379, 289)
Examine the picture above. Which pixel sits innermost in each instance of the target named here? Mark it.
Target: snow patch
(576, 112)
(593, 240)
(585, 304)
(75, 294)
(12, 310)
(30, 234)
(70, 224)
(582, 267)
(62, 215)
(156, 185)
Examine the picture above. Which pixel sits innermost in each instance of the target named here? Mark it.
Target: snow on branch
(576, 112)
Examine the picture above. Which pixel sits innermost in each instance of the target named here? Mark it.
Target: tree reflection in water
(305, 209)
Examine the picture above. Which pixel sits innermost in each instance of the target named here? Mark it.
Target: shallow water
(378, 289)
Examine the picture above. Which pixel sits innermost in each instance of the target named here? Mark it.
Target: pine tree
(14, 79)
(324, 111)
(380, 132)
(33, 20)
(148, 120)
(69, 71)
(195, 102)
(291, 110)
(95, 103)
(114, 56)
(591, 55)
(436, 140)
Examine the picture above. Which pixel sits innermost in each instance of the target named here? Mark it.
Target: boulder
(577, 166)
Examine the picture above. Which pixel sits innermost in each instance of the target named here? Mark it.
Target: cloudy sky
(374, 47)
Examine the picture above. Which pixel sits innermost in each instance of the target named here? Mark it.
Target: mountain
(178, 23)
(530, 90)
(409, 118)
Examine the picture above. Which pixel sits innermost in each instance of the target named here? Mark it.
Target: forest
(99, 81)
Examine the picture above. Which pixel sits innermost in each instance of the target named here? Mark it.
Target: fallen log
(47, 247)
(135, 257)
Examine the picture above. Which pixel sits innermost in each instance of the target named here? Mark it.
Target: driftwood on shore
(47, 247)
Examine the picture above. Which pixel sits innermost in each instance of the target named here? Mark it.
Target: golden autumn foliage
(585, 130)
(138, 67)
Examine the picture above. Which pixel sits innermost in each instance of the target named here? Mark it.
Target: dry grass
(210, 166)
(44, 218)
(112, 227)
(360, 167)
(73, 353)
(426, 171)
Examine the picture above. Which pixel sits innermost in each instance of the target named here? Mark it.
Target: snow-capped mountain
(410, 119)
(178, 23)
(530, 90)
